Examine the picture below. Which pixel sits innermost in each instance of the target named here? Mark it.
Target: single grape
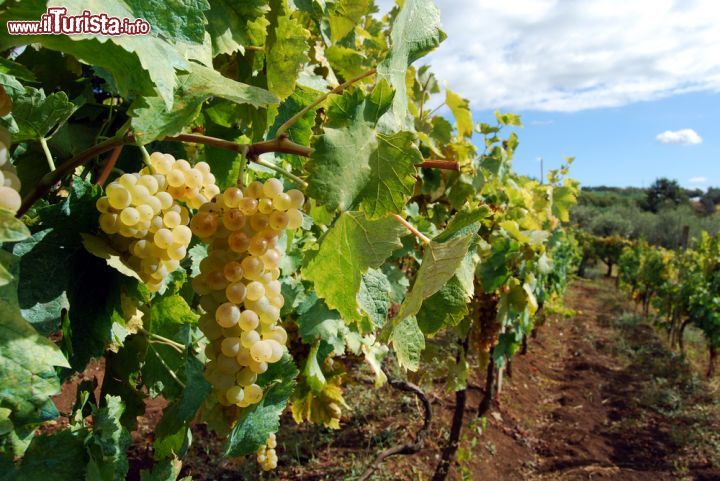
(295, 219)
(235, 394)
(235, 292)
(282, 201)
(272, 188)
(129, 216)
(230, 346)
(253, 393)
(249, 320)
(227, 315)
(233, 271)
(297, 199)
(261, 351)
(232, 197)
(249, 338)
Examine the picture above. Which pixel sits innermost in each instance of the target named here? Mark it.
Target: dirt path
(599, 397)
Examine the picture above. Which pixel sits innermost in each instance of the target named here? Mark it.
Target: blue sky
(605, 81)
(618, 146)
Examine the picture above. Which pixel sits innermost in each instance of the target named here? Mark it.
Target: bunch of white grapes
(239, 287)
(9, 181)
(142, 212)
(266, 455)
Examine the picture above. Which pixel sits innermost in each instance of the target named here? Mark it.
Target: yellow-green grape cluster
(266, 455)
(239, 287)
(9, 181)
(193, 185)
(142, 212)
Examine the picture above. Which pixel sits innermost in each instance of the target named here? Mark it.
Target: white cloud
(698, 180)
(682, 137)
(569, 55)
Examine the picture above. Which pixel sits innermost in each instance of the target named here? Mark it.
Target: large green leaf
(139, 64)
(352, 246)
(259, 420)
(36, 115)
(59, 274)
(60, 456)
(408, 342)
(415, 32)
(181, 411)
(353, 165)
(108, 443)
(151, 121)
(183, 20)
(448, 306)
(374, 296)
(286, 49)
(27, 360)
(171, 317)
(235, 25)
(344, 15)
(317, 322)
(442, 258)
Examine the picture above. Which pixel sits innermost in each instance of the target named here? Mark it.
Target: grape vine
(245, 212)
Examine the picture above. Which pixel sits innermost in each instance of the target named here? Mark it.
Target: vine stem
(440, 164)
(109, 165)
(170, 371)
(282, 130)
(282, 171)
(413, 229)
(407, 448)
(48, 154)
(163, 339)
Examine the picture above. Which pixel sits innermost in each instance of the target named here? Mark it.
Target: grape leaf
(259, 420)
(108, 443)
(286, 49)
(151, 121)
(182, 411)
(58, 273)
(415, 32)
(345, 15)
(442, 258)
(100, 248)
(235, 25)
(317, 322)
(352, 164)
(36, 114)
(347, 61)
(312, 372)
(12, 229)
(27, 360)
(61, 455)
(173, 20)
(408, 341)
(171, 317)
(348, 249)
(17, 70)
(460, 109)
(448, 306)
(374, 296)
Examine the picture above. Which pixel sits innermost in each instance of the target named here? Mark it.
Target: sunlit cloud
(681, 137)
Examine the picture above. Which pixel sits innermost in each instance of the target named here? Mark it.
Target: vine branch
(407, 448)
(413, 229)
(440, 164)
(281, 131)
(109, 165)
